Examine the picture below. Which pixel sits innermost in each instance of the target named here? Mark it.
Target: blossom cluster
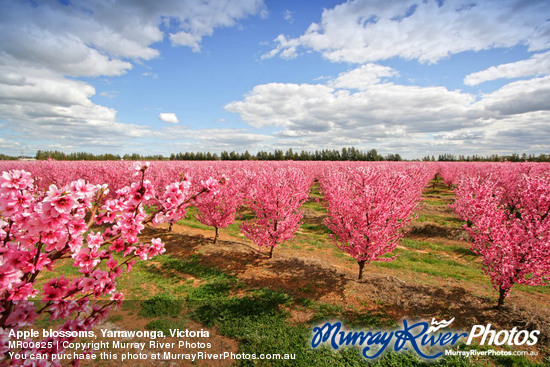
(275, 197)
(369, 208)
(83, 224)
(508, 219)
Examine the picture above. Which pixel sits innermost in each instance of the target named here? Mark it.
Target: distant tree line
(345, 154)
(490, 158)
(82, 156)
(4, 157)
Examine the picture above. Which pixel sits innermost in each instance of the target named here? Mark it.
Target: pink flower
(38, 227)
(117, 297)
(22, 293)
(63, 203)
(56, 289)
(17, 180)
(211, 186)
(128, 250)
(85, 284)
(22, 315)
(118, 245)
(157, 247)
(4, 340)
(142, 252)
(86, 260)
(82, 190)
(111, 264)
(62, 309)
(9, 276)
(94, 241)
(129, 265)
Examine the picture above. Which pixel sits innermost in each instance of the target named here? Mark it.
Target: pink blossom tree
(369, 208)
(510, 226)
(275, 197)
(39, 228)
(219, 210)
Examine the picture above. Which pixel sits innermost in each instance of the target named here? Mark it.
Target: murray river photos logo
(429, 341)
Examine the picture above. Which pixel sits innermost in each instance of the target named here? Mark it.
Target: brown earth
(322, 276)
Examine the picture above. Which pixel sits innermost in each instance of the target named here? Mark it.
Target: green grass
(443, 220)
(451, 250)
(115, 318)
(533, 289)
(314, 205)
(316, 228)
(435, 202)
(258, 320)
(155, 277)
(190, 220)
(433, 264)
(161, 305)
(439, 192)
(316, 191)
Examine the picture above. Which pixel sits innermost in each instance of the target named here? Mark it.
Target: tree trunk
(271, 252)
(216, 235)
(361, 266)
(502, 294)
(170, 227)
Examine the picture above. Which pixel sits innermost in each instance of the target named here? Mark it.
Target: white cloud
(363, 77)
(410, 120)
(46, 45)
(169, 117)
(177, 138)
(365, 30)
(518, 98)
(109, 94)
(288, 15)
(202, 18)
(379, 111)
(538, 64)
(150, 75)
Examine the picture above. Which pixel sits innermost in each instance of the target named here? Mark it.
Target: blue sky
(410, 77)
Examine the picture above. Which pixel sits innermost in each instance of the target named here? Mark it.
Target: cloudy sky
(166, 76)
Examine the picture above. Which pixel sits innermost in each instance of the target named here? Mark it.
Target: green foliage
(346, 154)
(193, 267)
(161, 305)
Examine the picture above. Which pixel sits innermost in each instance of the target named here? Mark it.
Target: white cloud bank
(538, 64)
(45, 45)
(363, 106)
(411, 120)
(361, 31)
